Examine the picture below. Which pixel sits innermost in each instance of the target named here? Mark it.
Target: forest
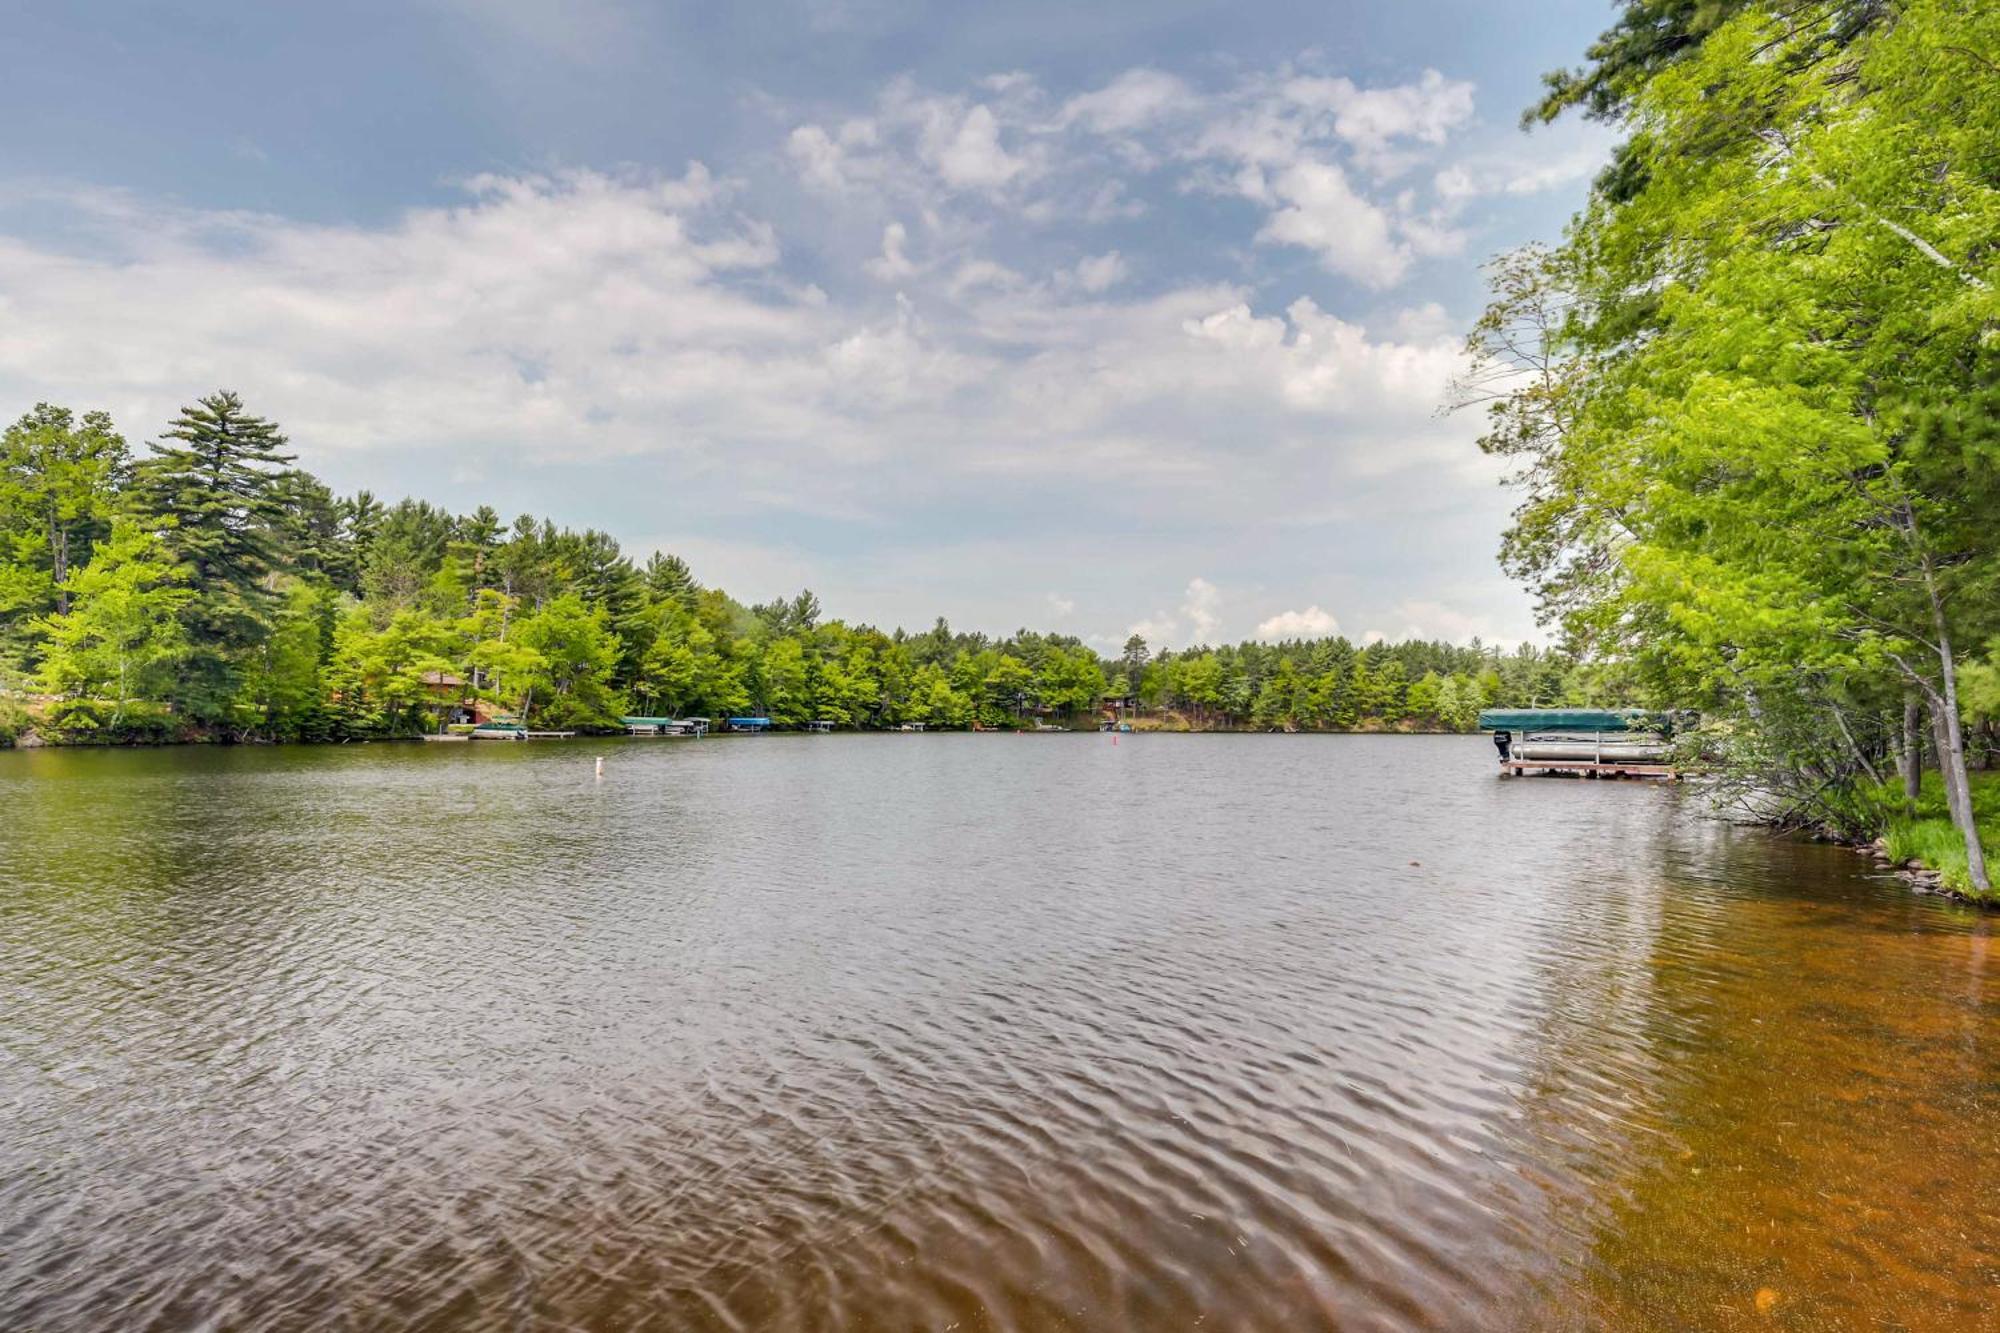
(210, 589)
(1752, 399)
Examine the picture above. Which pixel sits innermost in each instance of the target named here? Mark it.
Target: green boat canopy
(1574, 719)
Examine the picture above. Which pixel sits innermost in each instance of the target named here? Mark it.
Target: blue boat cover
(1574, 719)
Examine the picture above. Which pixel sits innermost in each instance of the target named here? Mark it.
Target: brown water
(933, 1032)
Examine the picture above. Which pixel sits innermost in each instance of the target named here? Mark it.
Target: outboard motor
(1503, 741)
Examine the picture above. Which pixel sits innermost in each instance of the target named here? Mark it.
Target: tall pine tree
(216, 480)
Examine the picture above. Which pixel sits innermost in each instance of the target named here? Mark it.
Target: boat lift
(1582, 742)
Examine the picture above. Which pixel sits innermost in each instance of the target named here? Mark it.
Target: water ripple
(964, 1032)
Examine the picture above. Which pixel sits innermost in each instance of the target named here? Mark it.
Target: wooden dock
(1589, 768)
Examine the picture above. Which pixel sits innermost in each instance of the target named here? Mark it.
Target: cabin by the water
(1582, 742)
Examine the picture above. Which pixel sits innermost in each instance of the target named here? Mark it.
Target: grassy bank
(1926, 835)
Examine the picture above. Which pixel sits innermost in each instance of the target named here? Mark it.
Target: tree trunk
(59, 562)
(1913, 749)
(1944, 716)
(1952, 791)
(1951, 742)
(1853, 749)
(1957, 790)
(1951, 759)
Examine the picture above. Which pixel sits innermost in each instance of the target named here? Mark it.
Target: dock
(664, 726)
(1608, 743)
(1588, 768)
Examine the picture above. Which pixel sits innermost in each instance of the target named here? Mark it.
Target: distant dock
(488, 731)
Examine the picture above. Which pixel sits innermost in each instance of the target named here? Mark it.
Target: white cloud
(836, 160)
(1134, 99)
(892, 263)
(902, 317)
(1435, 620)
(1520, 171)
(977, 273)
(1202, 606)
(1315, 361)
(1372, 119)
(1311, 623)
(1319, 211)
(1111, 202)
(967, 151)
(586, 315)
(1426, 323)
(817, 157)
(1060, 606)
(1291, 145)
(577, 313)
(1012, 81)
(1097, 273)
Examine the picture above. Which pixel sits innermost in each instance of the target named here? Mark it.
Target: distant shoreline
(32, 740)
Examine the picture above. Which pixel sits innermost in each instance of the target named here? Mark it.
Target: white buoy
(600, 768)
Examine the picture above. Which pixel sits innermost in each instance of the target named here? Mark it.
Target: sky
(1128, 316)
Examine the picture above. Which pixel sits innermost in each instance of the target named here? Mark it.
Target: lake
(969, 1032)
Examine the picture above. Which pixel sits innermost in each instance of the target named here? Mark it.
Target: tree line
(211, 588)
(1753, 396)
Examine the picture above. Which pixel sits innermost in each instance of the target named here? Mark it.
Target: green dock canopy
(1574, 719)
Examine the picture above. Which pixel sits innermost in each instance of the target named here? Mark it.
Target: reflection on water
(968, 1031)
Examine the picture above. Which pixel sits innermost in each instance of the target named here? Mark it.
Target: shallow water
(1038, 1032)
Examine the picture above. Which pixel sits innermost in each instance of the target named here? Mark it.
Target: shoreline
(33, 740)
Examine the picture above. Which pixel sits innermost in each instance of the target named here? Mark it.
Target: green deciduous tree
(571, 685)
(1751, 397)
(123, 634)
(378, 676)
(59, 476)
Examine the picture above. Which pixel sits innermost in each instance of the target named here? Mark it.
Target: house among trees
(448, 699)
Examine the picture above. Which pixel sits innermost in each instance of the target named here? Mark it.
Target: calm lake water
(973, 1032)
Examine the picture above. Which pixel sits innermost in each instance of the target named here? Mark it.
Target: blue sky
(1085, 318)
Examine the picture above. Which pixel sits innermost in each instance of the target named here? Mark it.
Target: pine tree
(217, 485)
(668, 578)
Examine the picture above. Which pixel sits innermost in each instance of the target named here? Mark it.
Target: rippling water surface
(975, 1032)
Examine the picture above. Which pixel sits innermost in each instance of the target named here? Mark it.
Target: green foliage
(574, 652)
(1751, 397)
(284, 674)
(59, 475)
(221, 502)
(1649, 36)
(1928, 836)
(122, 635)
(377, 676)
(227, 594)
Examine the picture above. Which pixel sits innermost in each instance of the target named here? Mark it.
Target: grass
(1927, 835)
